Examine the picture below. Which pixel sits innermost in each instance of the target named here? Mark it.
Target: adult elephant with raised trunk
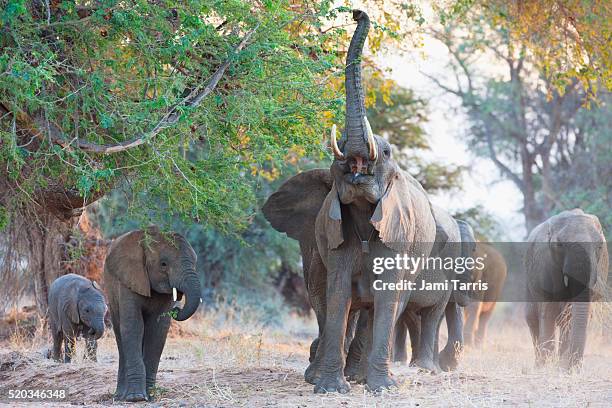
(145, 271)
(373, 209)
(567, 267)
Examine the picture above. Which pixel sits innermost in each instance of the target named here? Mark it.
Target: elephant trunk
(578, 331)
(97, 328)
(578, 278)
(355, 127)
(190, 286)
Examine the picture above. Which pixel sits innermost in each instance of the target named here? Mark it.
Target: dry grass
(226, 360)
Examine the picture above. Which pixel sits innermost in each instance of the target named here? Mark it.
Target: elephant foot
(379, 383)
(312, 374)
(135, 397)
(332, 383)
(133, 393)
(571, 364)
(351, 371)
(403, 359)
(426, 365)
(448, 360)
(313, 350)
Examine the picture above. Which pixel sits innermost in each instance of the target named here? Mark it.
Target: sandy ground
(242, 365)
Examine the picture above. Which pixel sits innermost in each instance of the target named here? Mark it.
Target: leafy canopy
(113, 70)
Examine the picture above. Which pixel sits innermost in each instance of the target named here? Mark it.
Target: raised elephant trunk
(360, 140)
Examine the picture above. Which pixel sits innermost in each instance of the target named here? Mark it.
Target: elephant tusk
(174, 294)
(565, 280)
(200, 300)
(334, 144)
(371, 142)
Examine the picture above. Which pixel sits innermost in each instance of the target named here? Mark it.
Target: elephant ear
(70, 306)
(403, 216)
(294, 207)
(126, 262)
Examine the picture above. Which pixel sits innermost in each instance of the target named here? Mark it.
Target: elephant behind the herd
(567, 269)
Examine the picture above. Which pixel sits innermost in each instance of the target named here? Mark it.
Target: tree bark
(47, 259)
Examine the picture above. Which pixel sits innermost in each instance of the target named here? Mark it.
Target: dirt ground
(219, 362)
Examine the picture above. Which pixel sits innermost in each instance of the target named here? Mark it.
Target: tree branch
(502, 167)
(192, 100)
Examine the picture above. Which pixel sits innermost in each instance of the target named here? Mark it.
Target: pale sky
(446, 127)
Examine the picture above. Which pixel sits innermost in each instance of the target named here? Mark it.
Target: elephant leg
(385, 315)
(368, 324)
(132, 329)
(155, 333)
(483, 322)
(331, 360)
(472, 312)
(430, 320)
(91, 349)
(121, 379)
(449, 357)
(399, 343)
(564, 332)
(549, 312)
(316, 284)
(437, 346)
(533, 322)
(69, 345)
(413, 322)
(56, 353)
(351, 329)
(357, 348)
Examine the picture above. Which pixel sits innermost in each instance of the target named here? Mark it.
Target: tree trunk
(47, 254)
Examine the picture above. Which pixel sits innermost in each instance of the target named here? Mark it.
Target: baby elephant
(76, 308)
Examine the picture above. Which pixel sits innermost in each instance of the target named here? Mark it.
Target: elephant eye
(387, 152)
(164, 264)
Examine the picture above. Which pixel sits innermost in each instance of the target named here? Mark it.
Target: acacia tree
(521, 120)
(569, 39)
(177, 100)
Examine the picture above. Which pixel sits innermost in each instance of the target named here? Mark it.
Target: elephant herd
(363, 208)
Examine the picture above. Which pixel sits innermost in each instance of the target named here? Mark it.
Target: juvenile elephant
(144, 271)
(478, 312)
(373, 210)
(567, 265)
(76, 308)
